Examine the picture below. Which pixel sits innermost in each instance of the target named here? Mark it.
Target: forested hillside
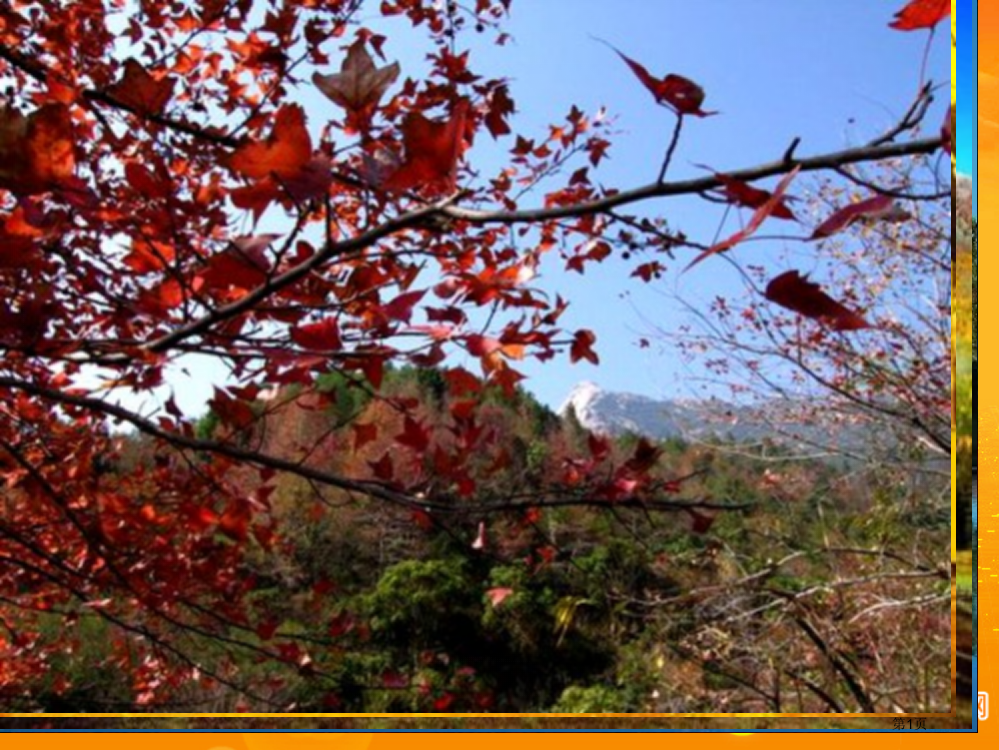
(704, 601)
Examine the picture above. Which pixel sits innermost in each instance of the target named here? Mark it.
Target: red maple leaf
(444, 702)
(921, 14)
(281, 166)
(461, 382)
(401, 308)
(482, 346)
(433, 150)
(140, 91)
(285, 153)
(743, 194)
(363, 434)
(761, 213)
(700, 521)
(501, 106)
(599, 446)
(681, 94)
(797, 293)
(383, 468)
(582, 347)
(649, 271)
(414, 436)
(877, 208)
(321, 336)
(235, 522)
(267, 628)
(145, 182)
(243, 265)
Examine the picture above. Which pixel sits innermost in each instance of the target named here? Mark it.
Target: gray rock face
(842, 434)
(619, 413)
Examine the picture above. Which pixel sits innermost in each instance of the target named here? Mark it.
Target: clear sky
(833, 74)
(967, 90)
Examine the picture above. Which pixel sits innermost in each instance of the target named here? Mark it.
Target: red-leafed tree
(141, 144)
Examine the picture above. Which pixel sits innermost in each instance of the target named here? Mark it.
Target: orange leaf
(166, 295)
(149, 255)
(256, 197)
(797, 293)
(285, 153)
(50, 143)
(21, 223)
(36, 152)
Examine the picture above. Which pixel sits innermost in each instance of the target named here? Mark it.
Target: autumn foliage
(168, 190)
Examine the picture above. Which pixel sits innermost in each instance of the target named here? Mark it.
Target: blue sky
(967, 77)
(833, 74)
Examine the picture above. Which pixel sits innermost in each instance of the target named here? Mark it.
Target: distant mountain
(619, 413)
(964, 210)
(781, 421)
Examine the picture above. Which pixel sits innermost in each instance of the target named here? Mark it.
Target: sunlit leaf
(921, 14)
(285, 152)
(876, 208)
(360, 85)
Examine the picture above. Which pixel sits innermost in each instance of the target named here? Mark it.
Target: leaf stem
(672, 147)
